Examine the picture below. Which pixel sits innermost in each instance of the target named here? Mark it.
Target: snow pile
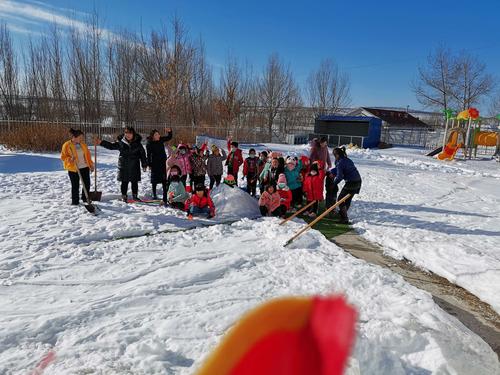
(234, 203)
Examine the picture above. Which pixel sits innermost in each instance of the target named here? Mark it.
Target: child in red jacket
(234, 158)
(200, 203)
(314, 186)
(285, 193)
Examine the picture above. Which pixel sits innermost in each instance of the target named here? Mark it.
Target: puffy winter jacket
(320, 154)
(68, 152)
(285, 197)
(132, 155)
(346, 170)
(157, 157)
(182, 161)
(177, 192)
(270, 201)
(198, 166)
(215, 163)
(204, 201)
(234, 160)
(314, 186)
(251, 168)
(293, 177)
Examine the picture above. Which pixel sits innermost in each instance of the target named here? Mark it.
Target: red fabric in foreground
(321, 347)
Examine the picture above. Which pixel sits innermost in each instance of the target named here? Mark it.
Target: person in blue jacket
(345, 170)
(294, 180)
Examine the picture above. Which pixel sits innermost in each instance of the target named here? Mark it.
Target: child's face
(275, 163)
(129, 136)
(199, 193)
(156, 136)
(270, 189)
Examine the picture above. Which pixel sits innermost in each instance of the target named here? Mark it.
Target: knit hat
(229, 180)
(282, 178)
(290, 160)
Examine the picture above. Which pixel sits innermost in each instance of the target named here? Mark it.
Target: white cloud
(24, 14)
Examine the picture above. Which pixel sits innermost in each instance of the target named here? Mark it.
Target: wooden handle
(308, 226)
(298, 212)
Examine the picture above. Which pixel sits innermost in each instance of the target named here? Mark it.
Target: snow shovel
(95, 195)
(89, 206)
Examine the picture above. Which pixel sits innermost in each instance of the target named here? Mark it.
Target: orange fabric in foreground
(296, 336)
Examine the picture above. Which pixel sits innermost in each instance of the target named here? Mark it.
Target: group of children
(283, 182)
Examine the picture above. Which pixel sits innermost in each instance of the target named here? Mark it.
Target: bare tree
(494, 107)
(200, 87)
(124, 75)
(230, 99)
(436, 79)
(275, 88)
(9, 74)
(472, 83)
(86, 70)
(328, 88)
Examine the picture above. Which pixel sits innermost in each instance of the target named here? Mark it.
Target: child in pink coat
(270, 202)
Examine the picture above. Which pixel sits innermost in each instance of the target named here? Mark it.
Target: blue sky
(379, 43)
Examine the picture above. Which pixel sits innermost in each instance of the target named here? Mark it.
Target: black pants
(252, 185)
(280, 211)
(331, 196)
(75, 184)
(215, 179)
(164, 187)
(297, 196)
(350, 187)
(135, 187)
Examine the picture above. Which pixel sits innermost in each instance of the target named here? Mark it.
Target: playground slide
(451, 148)
(435, 152)
(449, 152)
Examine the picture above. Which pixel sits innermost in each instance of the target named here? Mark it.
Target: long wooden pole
(308, 226)
(298, 212)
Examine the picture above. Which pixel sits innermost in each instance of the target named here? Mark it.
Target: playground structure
(468, 128)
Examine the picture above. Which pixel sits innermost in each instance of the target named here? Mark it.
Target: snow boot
(124, 198)
(343, 215)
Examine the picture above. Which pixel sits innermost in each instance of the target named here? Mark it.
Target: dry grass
(41, 137)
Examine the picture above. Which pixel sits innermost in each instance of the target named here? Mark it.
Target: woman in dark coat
(157, 158)
(132, 155)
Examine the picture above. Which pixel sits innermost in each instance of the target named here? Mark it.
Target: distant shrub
(37, 137)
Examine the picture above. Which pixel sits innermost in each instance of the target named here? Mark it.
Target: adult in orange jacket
(76, 156)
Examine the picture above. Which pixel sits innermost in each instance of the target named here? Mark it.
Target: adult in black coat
(132, 155)
(157, 158)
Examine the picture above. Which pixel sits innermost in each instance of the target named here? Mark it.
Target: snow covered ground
(104, 303)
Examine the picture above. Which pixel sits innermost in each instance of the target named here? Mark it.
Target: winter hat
(290, 160)
(282, 179)
(199, 187)
(229, 180)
